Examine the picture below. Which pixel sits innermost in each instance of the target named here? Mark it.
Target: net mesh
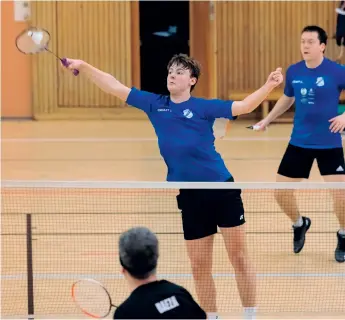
(76, 227)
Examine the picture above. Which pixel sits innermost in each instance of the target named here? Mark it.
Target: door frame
(202, 43)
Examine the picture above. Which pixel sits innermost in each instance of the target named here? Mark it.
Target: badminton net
(53, 233)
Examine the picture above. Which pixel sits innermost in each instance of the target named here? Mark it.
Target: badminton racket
(35, 40)
(92, 298)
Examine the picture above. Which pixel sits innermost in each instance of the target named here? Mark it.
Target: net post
(30, 278)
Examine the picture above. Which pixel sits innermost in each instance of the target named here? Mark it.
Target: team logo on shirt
(320, 82)
(304, 92)
(187, 113)
(307, 99)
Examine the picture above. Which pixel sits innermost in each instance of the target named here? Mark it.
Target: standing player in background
(340, 31)
(183, 125)
(314, 84)
(341, 8)
(150, 298)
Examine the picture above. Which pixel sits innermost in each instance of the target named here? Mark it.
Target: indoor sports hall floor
(75, 236)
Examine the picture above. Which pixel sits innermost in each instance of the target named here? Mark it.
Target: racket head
(92, 298)
(32, 40)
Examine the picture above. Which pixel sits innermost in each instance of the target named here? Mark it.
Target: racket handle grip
(66, 64)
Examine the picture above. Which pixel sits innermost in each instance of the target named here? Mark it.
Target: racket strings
(33, 41)
(92, 298)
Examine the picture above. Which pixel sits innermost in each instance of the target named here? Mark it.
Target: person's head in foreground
(138, 254)
(313, 43)
(183, 74)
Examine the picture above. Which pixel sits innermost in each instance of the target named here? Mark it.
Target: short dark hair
(138, 252)
(188, 63)
(322, 35)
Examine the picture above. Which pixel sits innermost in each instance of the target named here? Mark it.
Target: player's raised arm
(337, 123)
(251, 102)
(103, 80)
(283, 104)
(341, 76)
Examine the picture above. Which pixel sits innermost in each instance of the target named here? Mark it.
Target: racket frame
(26, 31)
(99, 284)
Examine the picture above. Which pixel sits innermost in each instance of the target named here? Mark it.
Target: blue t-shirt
(316, 93)
(185, 134)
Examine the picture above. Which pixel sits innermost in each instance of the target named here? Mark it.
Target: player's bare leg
(341, 54)
(338, 198)
(339, 209)
(200, 252)
(235, 243)
(286, 198)
(287, 202)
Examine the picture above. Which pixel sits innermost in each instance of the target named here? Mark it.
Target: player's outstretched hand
(337, 123)
(72, 64)
(261, 126)
(275, 78)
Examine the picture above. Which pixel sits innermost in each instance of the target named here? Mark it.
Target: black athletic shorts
(340, 40)
(297, 162)
(203, 210)
(340, 30)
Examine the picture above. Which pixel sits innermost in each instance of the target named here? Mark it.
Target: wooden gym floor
(68, 245)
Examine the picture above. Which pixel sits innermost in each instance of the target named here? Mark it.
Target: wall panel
(44, 65)
(97, 32)
(255, 37)
(15, 68)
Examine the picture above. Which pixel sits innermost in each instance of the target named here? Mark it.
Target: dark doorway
(164, 31)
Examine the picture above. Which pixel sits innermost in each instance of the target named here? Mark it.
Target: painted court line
(139, 139)
(64, 276)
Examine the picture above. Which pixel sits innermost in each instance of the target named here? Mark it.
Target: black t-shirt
(159, 300)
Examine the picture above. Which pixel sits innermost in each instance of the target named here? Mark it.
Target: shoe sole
(340, 261)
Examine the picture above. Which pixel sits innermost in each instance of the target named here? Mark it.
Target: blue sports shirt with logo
(185, 134)
(316, 92)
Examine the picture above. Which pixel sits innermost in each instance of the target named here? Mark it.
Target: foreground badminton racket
(35, 40)
(92, 298)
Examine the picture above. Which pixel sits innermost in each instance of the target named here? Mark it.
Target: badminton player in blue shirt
(314, 84)
(184, 127)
